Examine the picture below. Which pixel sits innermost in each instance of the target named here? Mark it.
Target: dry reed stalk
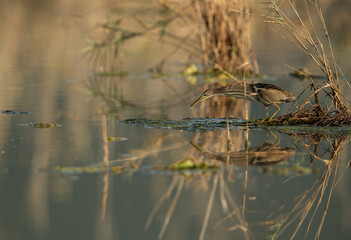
(106, 163)
(303, 34)
(224, 30)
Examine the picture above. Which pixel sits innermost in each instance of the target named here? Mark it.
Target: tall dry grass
(224, 31)
(312, 37)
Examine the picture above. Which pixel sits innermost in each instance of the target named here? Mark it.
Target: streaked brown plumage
(265, 93)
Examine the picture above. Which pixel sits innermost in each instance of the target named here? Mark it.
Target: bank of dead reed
(312, 37)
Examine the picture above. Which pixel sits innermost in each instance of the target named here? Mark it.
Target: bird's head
(211, 92)
(206, 94)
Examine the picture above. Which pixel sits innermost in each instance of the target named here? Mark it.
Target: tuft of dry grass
(224, 30)
(302, 33)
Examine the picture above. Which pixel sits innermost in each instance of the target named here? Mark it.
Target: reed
(312, 37)
(224, 31)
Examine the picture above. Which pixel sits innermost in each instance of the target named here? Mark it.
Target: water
(53, 184)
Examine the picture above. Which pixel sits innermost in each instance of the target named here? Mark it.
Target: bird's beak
(201, 98)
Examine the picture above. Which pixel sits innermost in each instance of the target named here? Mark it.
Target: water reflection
(317, 196)
(221, 210)
(268, 153)
(307, 208)
(107, 164)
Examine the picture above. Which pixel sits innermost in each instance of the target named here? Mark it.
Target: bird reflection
(268, 153)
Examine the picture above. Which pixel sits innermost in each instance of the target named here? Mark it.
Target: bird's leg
(276, 138)
(278, 109)
(267, 114)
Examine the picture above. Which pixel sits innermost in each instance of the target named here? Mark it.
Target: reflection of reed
(310, 201)
(223, 142)
(209, 207)
(222, 107)
(219, 140)
(109, 90)
(106, 163)
(171, 208)
(268, 153)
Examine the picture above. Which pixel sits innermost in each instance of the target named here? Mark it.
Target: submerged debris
(14, 112)
(40, 125)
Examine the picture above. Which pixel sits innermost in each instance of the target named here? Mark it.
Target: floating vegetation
(191, 70)
(117, 169)
(14, 112)
(113, 74)
(188, 164)
(213, 124)
(161, 75)
(116, 139)
(295, 170)
(191, 124)
(77, 170)
(88, 169)
(40, 125)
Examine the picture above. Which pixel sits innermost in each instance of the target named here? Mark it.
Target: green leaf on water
(191, 79)
(116, 139)
(185, 164)
(189, 164)
(190, 70)
(117, 169)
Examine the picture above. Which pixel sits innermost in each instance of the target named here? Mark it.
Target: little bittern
(265, 93)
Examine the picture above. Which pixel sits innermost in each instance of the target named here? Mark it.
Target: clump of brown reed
(224, 30)
(304, 35)
(316, 115)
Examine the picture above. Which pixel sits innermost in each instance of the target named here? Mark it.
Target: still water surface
(52, 181)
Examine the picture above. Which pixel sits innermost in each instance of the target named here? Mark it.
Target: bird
(265, 93)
